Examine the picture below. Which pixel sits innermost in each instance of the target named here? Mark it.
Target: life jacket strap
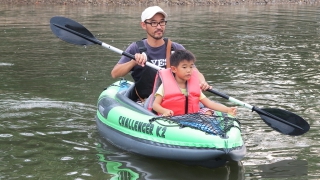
(168, 53)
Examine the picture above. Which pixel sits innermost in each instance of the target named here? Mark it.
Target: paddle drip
(218, 124)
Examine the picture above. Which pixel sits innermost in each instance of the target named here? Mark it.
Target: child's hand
(232, 111)
(167, 112)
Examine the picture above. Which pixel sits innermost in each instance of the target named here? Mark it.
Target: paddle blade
(301, 126)
(70, 31)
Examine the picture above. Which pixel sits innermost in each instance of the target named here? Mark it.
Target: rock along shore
(154, 2)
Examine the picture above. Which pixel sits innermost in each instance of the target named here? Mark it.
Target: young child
(180, 91)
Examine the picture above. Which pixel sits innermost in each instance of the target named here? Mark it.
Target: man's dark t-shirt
(157, 56)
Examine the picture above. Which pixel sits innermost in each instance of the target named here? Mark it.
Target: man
(153, 21)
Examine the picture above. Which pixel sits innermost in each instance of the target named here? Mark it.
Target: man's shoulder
(177, 46)
(133, 47)
(173, 42)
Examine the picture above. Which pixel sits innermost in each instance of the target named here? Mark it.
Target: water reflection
(286, 169)
(122, 165)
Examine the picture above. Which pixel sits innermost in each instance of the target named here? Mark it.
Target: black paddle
(280, 120)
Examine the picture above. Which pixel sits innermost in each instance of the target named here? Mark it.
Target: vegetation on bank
(154, 2)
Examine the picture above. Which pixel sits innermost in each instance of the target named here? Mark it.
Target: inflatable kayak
(193, 139)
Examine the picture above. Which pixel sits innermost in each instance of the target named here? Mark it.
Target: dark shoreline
(153, 2)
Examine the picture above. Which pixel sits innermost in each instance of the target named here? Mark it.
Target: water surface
(267, 56)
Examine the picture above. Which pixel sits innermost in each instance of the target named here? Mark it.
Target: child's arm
(218, 107)
(159, 109)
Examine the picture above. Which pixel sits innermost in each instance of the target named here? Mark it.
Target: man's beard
(155, 37)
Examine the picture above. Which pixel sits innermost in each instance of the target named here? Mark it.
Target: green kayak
(193, 139)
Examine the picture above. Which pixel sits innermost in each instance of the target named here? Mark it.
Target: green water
(267, 56)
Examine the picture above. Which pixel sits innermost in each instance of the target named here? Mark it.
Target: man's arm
(120, 70)
(203, 83)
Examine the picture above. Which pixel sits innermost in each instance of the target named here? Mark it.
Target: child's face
(184, 69)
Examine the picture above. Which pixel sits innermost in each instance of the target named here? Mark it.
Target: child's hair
(180, 55)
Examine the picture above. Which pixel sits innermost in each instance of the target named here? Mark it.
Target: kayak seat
(130, 93)
(146, 102)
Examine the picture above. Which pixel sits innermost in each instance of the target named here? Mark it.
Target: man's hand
(141, 59)
(204, 86)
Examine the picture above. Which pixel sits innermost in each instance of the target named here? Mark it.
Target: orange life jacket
(173, 98)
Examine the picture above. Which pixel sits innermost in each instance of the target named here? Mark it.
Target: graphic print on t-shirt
(159, 62)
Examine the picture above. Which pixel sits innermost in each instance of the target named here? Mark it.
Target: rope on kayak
(215, 125)
(123, 85)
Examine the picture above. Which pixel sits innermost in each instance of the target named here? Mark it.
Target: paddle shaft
(253, 108)
(96, 41)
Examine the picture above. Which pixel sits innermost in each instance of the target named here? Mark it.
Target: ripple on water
(6, 64)
(42, 131)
